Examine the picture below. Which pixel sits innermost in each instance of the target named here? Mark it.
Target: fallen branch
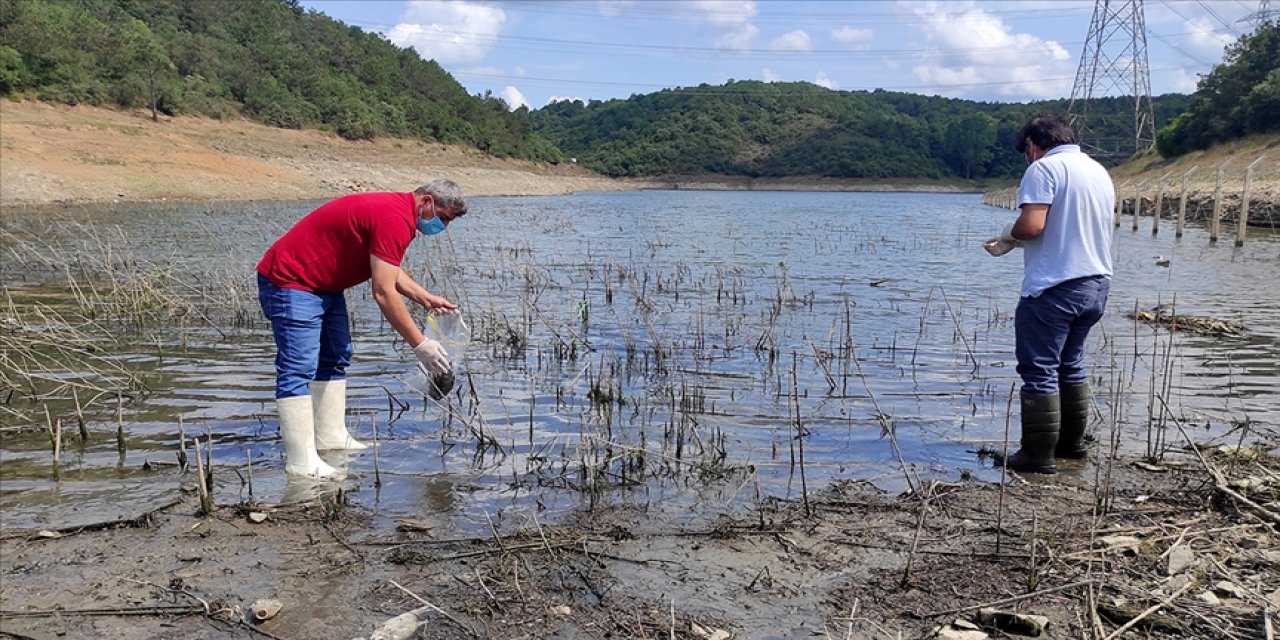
(1000, 603)
(161, 610)
(143, 520)
(1150, 610)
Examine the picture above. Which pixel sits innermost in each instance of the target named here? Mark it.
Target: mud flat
(1180, 549)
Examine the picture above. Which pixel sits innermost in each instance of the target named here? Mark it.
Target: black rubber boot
(1041, 418)
(1076, 402)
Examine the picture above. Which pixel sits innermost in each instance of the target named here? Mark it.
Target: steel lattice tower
(1114, 63)
(1264, 14)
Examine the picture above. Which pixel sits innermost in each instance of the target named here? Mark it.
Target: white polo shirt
(1077, 232)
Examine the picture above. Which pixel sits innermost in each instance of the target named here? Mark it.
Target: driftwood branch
(1000, 603)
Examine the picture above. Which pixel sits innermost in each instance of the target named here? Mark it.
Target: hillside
(271, 61)
(751, 129)
(62, 154)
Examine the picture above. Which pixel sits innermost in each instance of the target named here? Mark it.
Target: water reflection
(659, 349)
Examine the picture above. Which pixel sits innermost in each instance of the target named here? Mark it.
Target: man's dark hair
(1047, 130)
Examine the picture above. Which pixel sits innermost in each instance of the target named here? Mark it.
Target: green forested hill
(268, 59)
(762, 129)
(274, 61)
(1237, 98)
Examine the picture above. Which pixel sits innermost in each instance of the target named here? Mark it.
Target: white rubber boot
(329, 400)
(297, 429)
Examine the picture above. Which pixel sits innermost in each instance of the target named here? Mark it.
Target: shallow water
(716, 317)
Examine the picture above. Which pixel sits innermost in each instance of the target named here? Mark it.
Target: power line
(1217, 17)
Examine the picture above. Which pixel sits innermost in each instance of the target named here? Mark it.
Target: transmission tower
(1114, 64)
(1263, 15)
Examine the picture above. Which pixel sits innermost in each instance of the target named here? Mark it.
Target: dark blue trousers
(1051, 329)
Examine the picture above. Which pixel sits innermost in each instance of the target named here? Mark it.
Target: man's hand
(432, 356)
(1003, 243)
(436, 304)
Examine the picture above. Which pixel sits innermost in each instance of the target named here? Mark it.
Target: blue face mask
(430, 227)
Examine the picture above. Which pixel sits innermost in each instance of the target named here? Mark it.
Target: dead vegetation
(1184, 549)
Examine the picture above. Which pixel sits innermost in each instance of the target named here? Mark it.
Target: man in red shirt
(301, 280)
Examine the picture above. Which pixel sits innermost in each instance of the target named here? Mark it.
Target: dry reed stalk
(887, 426)
(377, 465)
(206, 502)
(959, 331)
(84, 430)
(799, 437)
(248, 456)
(923, 510)
(120, 445)
(182, 446)
(1004, 471)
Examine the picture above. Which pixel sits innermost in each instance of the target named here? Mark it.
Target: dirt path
(60, 154)
(1088, 551)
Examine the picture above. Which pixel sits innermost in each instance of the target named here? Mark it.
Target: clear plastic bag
(450, 330)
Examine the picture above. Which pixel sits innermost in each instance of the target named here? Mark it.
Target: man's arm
(1030, 223)
(385, 283)
(417, 293)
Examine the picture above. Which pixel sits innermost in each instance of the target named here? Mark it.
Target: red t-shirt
(329, 248)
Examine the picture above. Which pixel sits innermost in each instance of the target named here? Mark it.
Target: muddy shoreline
(1091, 549)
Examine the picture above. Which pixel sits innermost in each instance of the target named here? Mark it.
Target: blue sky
(534, 52)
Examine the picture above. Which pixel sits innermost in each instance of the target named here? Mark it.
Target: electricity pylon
(1114, 64)
(1263, 15)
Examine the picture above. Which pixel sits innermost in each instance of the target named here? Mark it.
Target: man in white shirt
(1065, 228)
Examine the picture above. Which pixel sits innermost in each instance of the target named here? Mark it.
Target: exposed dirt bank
(1181, 550)
(51, 154)
(59, 154)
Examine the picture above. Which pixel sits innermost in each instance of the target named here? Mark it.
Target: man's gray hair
(446, 193)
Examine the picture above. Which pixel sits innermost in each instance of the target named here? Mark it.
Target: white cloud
(796, 40)
(739, 39)
(449, 32)
(514, 98)
(1180, 81)
(729, 21)
(1205, 41)
(968, 49)
(770, 76)
(726, 13)
(846, 34)
(823, 81)
(555, 99)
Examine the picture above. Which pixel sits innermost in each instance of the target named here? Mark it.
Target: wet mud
(1092, 549)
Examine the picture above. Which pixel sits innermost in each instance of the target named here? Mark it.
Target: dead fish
(440, 385)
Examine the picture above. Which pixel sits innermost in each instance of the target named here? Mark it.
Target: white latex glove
(1003, 243)
(432, 356)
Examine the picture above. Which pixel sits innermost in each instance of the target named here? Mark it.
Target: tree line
(773, 129)
(1239, 97)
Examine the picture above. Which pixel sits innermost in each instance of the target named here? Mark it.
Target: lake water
(654, 348)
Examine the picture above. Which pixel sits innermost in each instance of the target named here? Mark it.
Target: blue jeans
(1051, 329)
(313, 336)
